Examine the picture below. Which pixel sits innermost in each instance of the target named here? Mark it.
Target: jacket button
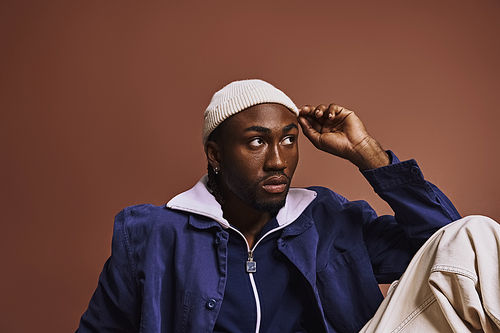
(217, 241)
(415, 170)
(211, 304)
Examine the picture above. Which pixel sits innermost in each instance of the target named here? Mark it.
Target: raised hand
(338, 131)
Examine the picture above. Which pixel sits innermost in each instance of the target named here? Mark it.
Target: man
(244, 252)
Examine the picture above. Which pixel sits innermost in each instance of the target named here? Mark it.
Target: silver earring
(216, 170)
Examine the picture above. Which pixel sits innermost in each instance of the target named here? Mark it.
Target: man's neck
(248, 220)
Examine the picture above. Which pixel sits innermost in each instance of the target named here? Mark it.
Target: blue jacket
(167, 270)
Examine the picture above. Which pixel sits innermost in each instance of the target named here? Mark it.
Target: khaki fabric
(451, 285)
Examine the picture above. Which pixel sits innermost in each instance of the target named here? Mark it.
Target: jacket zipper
(251, 268)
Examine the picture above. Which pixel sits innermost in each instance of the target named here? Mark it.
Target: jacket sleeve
(115, 305)
(420, 209)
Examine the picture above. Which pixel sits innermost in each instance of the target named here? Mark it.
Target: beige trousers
(451, 285)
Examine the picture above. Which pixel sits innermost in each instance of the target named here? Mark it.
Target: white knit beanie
(238, 96)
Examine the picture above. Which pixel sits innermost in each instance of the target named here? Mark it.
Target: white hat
(238, 96)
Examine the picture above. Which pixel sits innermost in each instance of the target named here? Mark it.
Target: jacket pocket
(348, 290)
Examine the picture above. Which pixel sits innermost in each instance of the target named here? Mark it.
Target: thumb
(309, 130)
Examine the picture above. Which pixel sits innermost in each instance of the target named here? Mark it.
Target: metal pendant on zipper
(251, 266)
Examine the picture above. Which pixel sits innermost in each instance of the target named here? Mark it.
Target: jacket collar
(199, 200)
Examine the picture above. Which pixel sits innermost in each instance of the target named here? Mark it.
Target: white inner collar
(200, 201)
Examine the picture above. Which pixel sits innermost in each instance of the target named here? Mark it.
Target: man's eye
(288, 140)
(256, 142)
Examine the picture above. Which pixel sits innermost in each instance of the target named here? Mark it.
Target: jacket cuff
(394, 175)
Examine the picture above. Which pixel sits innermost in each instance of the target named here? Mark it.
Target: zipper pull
(251, 265)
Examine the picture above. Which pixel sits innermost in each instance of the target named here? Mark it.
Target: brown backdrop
(102, 101)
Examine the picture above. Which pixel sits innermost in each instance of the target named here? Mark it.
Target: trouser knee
(468, 241)
(475, 224)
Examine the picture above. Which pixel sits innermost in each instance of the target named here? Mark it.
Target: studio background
(102, 102)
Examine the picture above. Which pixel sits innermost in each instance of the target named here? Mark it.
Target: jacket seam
(131, 262)
(128, 246)
(421, 308)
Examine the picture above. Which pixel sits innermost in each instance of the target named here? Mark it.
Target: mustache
(273, 174)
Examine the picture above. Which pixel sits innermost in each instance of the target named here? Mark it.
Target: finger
(332, 111)
(335, 114)
(337, 109)
(309, 131)
(305, 124)
(311, 114)
(320, 109)
(314, 124)
(307, 110)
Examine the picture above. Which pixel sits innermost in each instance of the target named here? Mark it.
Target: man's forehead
(261, 118)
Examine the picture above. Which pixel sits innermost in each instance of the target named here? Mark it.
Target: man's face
(258, 156)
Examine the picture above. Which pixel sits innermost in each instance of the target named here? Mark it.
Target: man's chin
(269, 206)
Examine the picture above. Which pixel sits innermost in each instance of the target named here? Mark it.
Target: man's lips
(275, 184)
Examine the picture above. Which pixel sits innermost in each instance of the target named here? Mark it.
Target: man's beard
(248, 193)
(268, 207)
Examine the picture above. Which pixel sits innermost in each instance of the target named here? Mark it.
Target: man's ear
(212, 150)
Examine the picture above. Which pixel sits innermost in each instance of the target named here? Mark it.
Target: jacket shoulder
(325, 194)
(329, 204)
(138, 211)
(149, 217)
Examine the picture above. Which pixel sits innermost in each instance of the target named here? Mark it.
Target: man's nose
(275, 159)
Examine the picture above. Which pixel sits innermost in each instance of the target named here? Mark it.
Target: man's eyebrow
(257, 129)
(288, 128)
(263, 129)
